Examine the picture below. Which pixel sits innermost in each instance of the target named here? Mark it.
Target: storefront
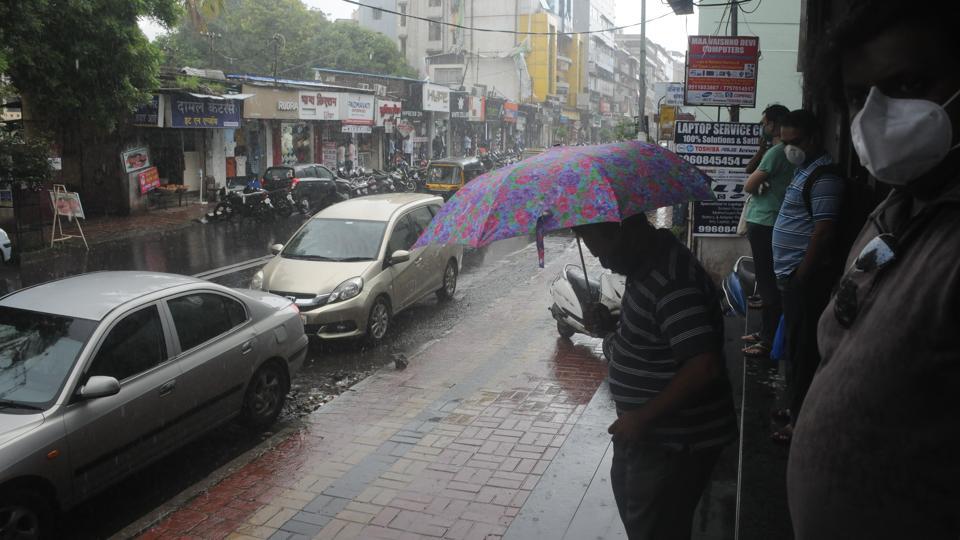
(529, 125)
(356, 119)
(459, 124)
(436, 105)
(273, 126)
(323, 110)
(476, 117)
(413, 126)
(385, 121)
(510, 116)
(493, 118)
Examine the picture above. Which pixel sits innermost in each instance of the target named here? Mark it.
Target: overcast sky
(670, 30)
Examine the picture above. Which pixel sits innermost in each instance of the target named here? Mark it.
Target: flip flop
(756, 350)
(751, 338)
(782, 436)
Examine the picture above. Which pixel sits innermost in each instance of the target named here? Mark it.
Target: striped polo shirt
(671, 312)
(794, 226)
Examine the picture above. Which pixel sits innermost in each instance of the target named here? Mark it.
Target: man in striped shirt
(667, 376)
(803, 248)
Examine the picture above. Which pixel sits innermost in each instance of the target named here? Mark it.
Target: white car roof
(374, 207)
(92, 296)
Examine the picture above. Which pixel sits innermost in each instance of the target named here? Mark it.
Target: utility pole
(734, 10)
(641, 109)
(277, 38)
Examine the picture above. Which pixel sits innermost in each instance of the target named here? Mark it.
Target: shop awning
(223, 97)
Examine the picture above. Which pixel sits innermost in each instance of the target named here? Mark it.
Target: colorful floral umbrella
(565, 187)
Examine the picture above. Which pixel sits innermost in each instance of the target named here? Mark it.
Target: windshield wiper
(354, 259)
(308, 257)
(10, 404)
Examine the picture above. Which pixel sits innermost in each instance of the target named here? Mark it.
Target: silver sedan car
(104, 373)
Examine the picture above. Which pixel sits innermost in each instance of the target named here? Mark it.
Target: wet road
(488, 274)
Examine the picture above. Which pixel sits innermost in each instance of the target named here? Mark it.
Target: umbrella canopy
(565, 187)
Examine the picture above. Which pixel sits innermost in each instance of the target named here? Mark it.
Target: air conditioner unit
(380, 89)
(363, 86)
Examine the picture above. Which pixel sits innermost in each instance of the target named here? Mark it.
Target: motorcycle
(739, 285)
(246, 203)
(573, 295)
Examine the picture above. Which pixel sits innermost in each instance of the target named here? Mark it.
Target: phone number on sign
(716, 229)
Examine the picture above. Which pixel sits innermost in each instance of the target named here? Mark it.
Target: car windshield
(278, 173)
(37, 352)
(444, 175)
(336, 240)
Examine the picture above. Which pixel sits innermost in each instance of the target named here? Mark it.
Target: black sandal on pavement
(757, 350)
(782, 436)
(751, 338)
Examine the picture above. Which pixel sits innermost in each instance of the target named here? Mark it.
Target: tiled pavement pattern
(451, 447)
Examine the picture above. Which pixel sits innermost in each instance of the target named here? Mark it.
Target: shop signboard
(413, 104)
(356, 110)
(668, 115)
(436, 98)
(149, 113)
(193, 112)
(149, 179)
(388, 112)
(319, 106)
(405, 127)
(476, 109)
(494, 110)
(510, 112)
(330, 154)
(722, 150)
(722, 70)
(459, 105)
(349, 128)
(135, 159)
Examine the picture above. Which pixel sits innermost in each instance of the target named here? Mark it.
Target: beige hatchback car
(352, 267)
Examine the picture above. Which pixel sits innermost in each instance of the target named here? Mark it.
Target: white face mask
(795, 154)
(899, 140)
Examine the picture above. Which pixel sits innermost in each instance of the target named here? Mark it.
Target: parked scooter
(573, 295)
(739, 285)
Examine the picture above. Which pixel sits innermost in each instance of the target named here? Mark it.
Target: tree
(249, 35)
(84, 62)
(201, 11)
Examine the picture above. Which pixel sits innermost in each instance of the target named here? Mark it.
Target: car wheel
(265, 396)
(25, 514)
(379, 323)
(565, 330)
(223, 211)
(445, 293)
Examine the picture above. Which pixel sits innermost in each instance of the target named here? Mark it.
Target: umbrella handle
(584, 266)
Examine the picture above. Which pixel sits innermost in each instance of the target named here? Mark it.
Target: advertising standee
(722, 151)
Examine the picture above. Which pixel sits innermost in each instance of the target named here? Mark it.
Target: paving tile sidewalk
(451, 447)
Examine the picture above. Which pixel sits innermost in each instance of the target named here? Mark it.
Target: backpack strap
(817, 174)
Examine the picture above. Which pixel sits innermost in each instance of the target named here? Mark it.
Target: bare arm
(824, 234)
(692, 378)
(755, 160)
(754, 181)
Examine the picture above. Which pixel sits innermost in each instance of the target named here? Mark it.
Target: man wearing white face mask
(804, 261)
(875, 452)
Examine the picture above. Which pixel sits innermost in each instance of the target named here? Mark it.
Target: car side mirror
(399, 256)
(99, 386)
(276, 249)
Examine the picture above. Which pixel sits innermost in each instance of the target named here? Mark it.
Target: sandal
(757, 350)
(751, 338)
(782, 436)
(781, 416)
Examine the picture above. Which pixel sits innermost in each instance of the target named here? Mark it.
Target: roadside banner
(722, 71)
(721, 150)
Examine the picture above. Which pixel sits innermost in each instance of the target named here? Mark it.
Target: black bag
(857, 203)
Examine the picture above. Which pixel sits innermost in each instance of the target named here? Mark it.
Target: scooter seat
(577, 281)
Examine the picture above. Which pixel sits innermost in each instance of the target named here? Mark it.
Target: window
(201, 317)
(421, 219)
(403, 15)
(377, 14)
(134, 345)
(323, 172)
(403, 47)
(435, 3)
(403, 237)
(434, 31)
(447, 75)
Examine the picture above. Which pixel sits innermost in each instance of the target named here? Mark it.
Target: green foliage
(606, 135)
(82, 62)
(242, 40)
(22, 160)
(626, 130)
(561, 133)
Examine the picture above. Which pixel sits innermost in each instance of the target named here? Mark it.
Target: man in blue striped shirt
(803, 244)
(667, 375)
